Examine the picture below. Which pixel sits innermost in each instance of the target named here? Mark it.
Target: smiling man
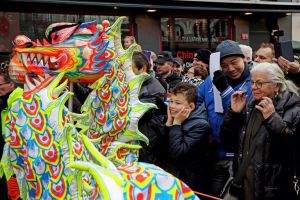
(265, 53)
(165, 73)
(234, 75)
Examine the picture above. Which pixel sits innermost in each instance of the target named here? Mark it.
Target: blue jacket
(206, 95)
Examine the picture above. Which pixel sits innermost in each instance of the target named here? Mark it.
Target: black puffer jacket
(271, 166)
(152, 122)
(172, 80)
(3, 183)
(188, 150)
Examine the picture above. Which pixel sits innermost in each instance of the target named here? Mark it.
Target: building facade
(180, 26)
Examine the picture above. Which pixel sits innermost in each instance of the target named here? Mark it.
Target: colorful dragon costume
(57, 154)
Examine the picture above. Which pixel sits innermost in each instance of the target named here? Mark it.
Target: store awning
(160, 5)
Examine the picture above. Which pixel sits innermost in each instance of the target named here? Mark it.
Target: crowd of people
(204, 147)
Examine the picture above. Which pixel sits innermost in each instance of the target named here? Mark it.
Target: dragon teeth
(46, 75)
(29, 83)
(53, 59)
(39, 58)
(46, 58)
(24, 59)
(26, 87)
(36, 82)
(19, 57)
(41, 78)
(32, 56)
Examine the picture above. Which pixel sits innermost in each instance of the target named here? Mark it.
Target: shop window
(34, 24)
(183, 36)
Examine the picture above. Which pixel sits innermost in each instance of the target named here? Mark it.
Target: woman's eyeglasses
(259, 84)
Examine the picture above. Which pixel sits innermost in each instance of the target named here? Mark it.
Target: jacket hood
(286, 99)
(199, 113)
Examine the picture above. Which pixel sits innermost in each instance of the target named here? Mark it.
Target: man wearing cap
(165, 63)
(234, 75)
(178, 66)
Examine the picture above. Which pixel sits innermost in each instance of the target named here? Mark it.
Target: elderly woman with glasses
(268, 121)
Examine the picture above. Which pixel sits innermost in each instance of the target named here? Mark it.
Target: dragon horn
(110, 182)
(53, 89)
(28, 83)
(96, 155)
(116, 33)
(59, 89)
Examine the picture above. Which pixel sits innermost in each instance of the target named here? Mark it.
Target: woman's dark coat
(272, 164)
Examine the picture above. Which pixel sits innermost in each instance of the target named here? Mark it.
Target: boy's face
(178, 102)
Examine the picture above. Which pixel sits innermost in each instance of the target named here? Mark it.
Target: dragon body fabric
(57, 154)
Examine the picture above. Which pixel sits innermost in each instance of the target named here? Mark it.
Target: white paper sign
(214, 64)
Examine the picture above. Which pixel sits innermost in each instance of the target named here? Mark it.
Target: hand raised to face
(287, 66)
(238, 101)
(182, 115)
(266, 107)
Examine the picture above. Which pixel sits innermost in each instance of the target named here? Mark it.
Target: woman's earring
(276, 94)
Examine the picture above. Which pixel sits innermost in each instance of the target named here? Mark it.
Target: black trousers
(3, 189)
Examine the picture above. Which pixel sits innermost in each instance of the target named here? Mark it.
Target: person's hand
(170, 118)
(182, 115)
(266, 107)
(238, 101)
(287, 66)
(220, 81)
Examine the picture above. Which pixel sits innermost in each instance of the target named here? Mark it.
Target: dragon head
(81, 50)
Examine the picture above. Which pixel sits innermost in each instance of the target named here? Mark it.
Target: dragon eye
(54, 36)
(59, 32)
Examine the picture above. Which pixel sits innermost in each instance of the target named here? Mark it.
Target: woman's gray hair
(276, 75)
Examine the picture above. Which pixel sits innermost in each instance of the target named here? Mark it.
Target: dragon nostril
(22, 41)
(28, 44)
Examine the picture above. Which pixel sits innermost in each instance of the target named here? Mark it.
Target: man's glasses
(3, 83)
(259, 84)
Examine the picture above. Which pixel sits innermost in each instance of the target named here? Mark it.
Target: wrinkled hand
(266, 107)
(287, 66)
(220, 80)
(170, 118)
(238, 101)
(182, 115)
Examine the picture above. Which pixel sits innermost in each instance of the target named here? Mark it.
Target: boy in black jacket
(188, 133)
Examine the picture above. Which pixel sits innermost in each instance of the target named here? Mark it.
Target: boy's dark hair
(140, 60)
(190, 91)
